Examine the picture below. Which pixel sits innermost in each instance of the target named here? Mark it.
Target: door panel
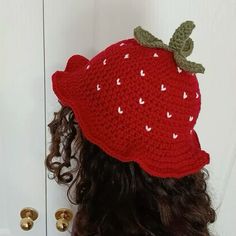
(69, 29)
(22, 123)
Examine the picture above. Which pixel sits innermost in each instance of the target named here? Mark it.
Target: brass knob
(63, 217)
(28, 216)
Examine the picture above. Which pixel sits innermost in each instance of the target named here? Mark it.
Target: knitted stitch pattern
(136, 104)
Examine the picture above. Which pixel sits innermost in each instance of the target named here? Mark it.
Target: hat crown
(126, 71)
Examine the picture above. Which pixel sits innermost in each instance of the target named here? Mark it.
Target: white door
(22, 123)
(36, 39)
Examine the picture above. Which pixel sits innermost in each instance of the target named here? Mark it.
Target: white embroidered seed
(118, 81)
(191, 131)
(126, 56)
(119, 110)
(104, 61)
(185, 95)
(88, 66)
(141, 101)
(148, 128)
(190, 118)
(98, 87)
(168, 115)
(175, 136)
(142, 73)
(122, 44)
(155, 55)
(197, 95)
(163, 88)
(179, 70)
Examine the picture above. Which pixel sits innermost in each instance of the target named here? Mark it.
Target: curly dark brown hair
(117, 198)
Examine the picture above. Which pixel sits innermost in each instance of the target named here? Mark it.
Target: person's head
(120, 198)
(127, 123)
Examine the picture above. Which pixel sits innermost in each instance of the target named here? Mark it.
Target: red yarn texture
(136, 105)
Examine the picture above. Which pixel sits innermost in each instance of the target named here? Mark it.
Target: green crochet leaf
(147, 39)
(180, 40)
(188, 65)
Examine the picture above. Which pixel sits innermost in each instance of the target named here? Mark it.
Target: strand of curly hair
(120, 199)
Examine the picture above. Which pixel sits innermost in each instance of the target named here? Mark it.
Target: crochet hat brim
(63, 81)
(190, 160)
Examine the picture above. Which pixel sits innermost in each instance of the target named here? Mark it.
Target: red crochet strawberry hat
(139, 100)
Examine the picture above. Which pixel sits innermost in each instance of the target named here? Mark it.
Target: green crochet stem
(180, 44)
